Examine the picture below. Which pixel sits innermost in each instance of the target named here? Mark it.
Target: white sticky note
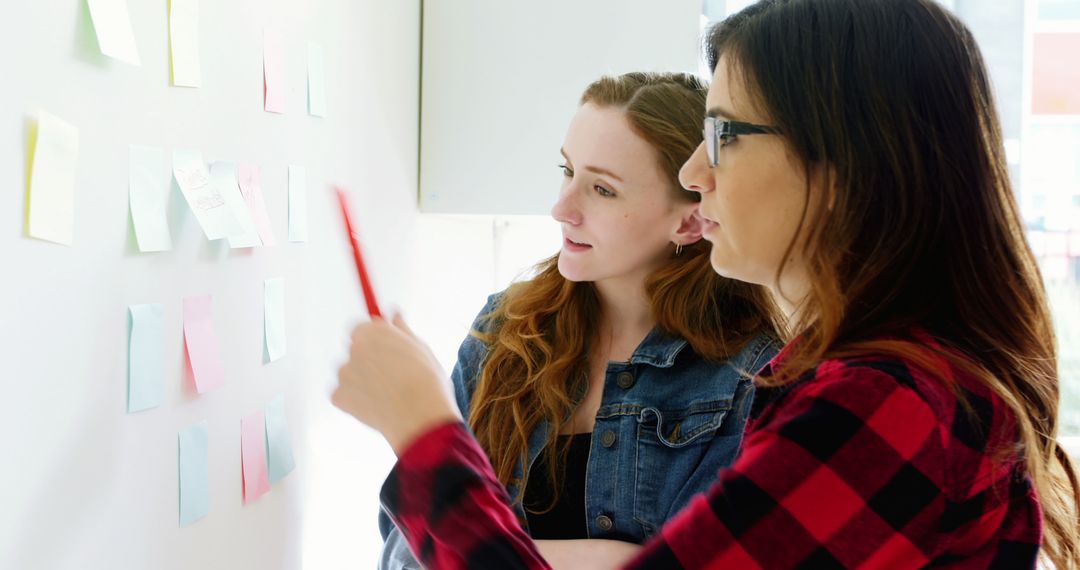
(316, 81)
(184, 40)
(213, 212)
(273, 72)
(51, 212)
(146, 363)
(148, 197)
(297, 203)
(251, 188)
(274, 317)
(223, 178)
(279, 455)
(113, 26)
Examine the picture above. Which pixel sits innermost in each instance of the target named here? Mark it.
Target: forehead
(727, 97)
(601, 136)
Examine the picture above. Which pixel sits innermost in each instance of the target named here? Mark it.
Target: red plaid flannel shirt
(863, 463)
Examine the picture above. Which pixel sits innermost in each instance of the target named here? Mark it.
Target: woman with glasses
(609, 388)
(853, 164)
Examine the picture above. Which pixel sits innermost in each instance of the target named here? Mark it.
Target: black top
(566, 520)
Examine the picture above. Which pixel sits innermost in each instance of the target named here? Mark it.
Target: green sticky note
(113, 26)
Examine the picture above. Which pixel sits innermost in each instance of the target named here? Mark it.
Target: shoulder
(756, 354)
(743, 364)
(865, 389)
(483, 322)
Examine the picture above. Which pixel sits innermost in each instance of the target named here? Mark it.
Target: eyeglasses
(718, 133)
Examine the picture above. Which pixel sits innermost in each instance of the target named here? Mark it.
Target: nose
(695, 175)
(566, 210)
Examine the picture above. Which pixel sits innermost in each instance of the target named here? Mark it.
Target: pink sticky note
(253, 455)
(202, 344)
(273, 72)
(251, 188)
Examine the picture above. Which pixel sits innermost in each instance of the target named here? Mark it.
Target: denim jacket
(668, 421)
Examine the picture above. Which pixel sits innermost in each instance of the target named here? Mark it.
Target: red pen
(365, 282)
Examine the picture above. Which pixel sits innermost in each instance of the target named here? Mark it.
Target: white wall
(84, 484)
(502, 80)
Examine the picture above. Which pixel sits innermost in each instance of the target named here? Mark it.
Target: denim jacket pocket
(671, 445)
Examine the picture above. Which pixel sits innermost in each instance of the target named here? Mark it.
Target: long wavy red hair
(540, 331)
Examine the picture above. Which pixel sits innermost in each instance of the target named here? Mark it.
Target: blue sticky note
(279, 456)
(194, 473)
(146, 370)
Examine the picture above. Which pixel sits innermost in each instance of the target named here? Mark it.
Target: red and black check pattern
(863, 463)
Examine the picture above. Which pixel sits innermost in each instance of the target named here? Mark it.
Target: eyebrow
(596, 169)
(717, 111)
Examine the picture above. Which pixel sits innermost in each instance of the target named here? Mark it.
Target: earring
(678, 249)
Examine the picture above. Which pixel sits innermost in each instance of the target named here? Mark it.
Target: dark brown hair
(920, 226)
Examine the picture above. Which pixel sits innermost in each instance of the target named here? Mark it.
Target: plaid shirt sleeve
(855, 467)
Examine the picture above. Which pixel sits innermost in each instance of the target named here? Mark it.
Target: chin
(720, 265)
(571, 272)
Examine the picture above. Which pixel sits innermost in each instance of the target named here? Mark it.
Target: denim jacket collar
(658, 349)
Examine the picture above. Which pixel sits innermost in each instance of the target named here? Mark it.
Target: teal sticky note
(274, 317)
(279, 455)
(194, 473)
(146, 369)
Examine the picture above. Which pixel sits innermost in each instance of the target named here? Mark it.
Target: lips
(710, 223)
(575, 245)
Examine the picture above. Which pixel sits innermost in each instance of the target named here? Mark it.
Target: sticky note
(216, 215)
(194, 473)
(113, 26)
(279, 455)
(146, 368)
(297, 203)
(202, 343)
(184, 40)
(148, 196)
(273, 72)
(316, 81)
(223, 180)
(274, 317)
(251, 187)
(51, 212)
(253, 455)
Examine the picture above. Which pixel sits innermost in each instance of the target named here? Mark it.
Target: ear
(691, 224)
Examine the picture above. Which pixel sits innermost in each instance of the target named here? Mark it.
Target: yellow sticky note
(184, 39)
(51, 212)
(113, 26)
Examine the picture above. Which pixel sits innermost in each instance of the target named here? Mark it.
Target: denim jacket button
(608, 439)
(625, 380)
(604, 522)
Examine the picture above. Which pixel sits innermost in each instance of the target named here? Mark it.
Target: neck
(626, 314)
(790, 297)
